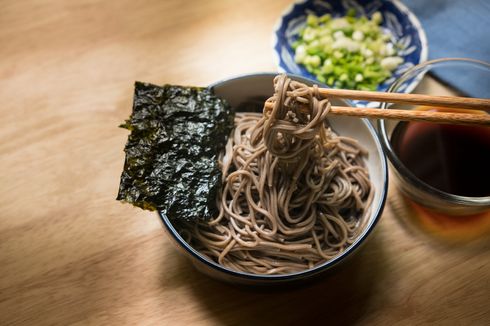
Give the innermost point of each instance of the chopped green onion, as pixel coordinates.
(347, 52)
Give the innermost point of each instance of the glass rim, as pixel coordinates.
(418, 72)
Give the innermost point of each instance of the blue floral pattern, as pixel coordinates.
(398, 22)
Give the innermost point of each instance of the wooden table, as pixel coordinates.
(71, 254)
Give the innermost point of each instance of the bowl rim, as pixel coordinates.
(397, 163)
(424, 53)
(377, 211)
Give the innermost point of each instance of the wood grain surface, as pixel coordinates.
(70, 254)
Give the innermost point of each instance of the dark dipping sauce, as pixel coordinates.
(451, 158)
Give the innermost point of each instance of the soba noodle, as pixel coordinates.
(294, 193)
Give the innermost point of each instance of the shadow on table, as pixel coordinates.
(341, 297)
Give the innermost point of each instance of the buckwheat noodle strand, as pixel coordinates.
(294, 193)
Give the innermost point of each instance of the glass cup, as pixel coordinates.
(428, 194)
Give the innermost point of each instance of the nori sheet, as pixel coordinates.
(172, 151)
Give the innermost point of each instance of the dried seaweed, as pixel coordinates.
(172, 151)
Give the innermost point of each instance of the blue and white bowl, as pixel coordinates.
(398, 21)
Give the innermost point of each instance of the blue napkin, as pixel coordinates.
(457, 28)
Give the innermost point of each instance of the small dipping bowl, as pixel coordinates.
(248, 93)
(424, 194)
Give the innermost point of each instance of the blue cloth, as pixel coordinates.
(457, 28)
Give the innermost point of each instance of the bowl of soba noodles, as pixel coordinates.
(301, 189)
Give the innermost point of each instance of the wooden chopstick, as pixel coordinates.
(411, 115)
(414, 115)
(418, 99)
